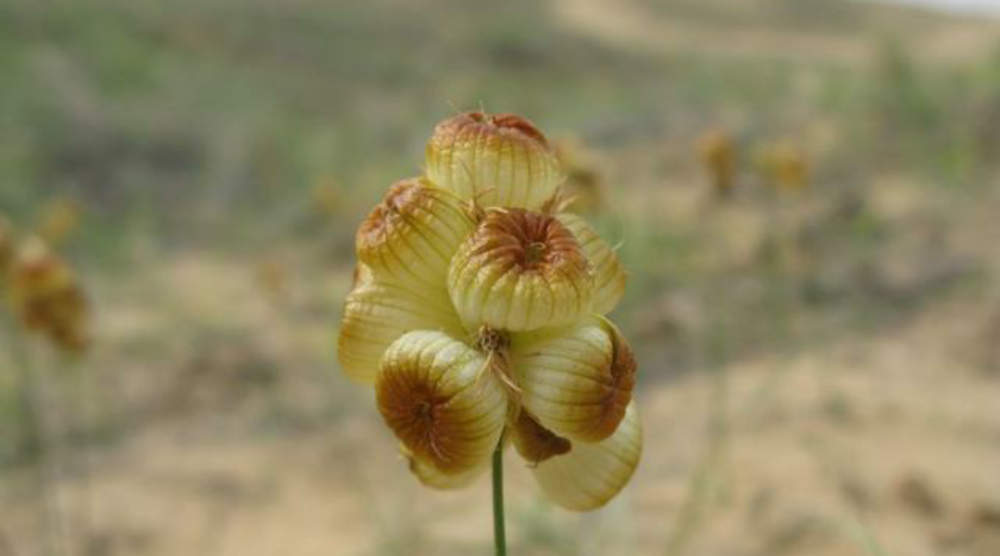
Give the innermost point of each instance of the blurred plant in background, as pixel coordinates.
(718, 156)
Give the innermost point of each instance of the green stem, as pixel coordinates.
(499, 534)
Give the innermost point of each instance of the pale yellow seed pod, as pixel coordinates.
(432, 477)
(441, 400)
(377, 313)
(576, 381)
(412, 234)
(520, 270)
(590, 475)
(496, 160)
(610, 278)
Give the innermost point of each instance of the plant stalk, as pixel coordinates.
(499, 530)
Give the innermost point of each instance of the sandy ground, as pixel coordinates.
(879, 444)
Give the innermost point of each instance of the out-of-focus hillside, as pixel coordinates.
(817, 344)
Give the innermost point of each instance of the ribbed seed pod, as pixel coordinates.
(590, 475)
(577, 381)
(412, 234)
(610, 278)
(497, 160)
(429, 476)
(441, 400)
(377, 313)
(520, 270)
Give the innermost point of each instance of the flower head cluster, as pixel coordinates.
(43, 291)
(477, 314)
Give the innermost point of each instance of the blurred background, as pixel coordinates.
(807, 195)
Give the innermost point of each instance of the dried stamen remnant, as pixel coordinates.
(519, 271)
(496, 160)
(534, 442)
(490, 340)
(412, 234)
(434, 393)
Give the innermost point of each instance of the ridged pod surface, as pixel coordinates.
(610, 278)
(498, 160)
(577, 381)
(413, 233)
(440, 399)
(520, 270)
(377, 313)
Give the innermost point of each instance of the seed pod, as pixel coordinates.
(610, 278)
(496, 160)
(377, 313)
(429, 476)
(578, 381)
(440, 399)
(590, 475)
(412, 234)
(520, 270)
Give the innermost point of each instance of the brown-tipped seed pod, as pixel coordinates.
(576, 382)
(494, 160)
(610, 278)
(520, 270)
(441, 400)
(377, 313)
(590, 475)
(412, 234)
(45, 295)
